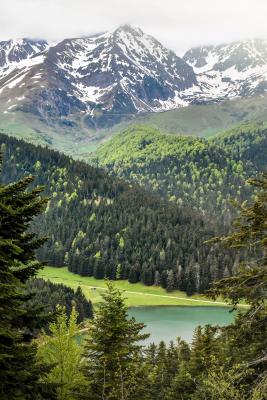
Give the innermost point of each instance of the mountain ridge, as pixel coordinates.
(232, 69)
(106, 78)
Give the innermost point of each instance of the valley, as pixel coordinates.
(153, 228)
(133, 209)
(166, 315)
(101, 226)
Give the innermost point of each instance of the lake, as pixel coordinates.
(166, 323)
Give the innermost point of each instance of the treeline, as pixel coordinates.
(202, 174)
(100, 226)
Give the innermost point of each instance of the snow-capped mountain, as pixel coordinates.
(124, 71)
(103, 79)
(230, 70)
(15, 53)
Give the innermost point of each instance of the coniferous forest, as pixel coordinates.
(111, 362)
(100, 226)
(62, 212)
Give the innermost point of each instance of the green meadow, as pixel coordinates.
(136, 294)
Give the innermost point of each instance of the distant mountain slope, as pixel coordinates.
(190, 171)
(87, 84)
(247, 143)
(101, 226)
(19, 55)
(79, 141)
(207, 119)
(230, 70)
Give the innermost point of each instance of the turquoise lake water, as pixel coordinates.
(167, 323)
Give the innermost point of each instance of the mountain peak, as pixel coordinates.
(113, 75)
(239, 53)
(14, 51)
(231, 69)
(134, 30)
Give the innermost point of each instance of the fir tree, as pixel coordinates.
(19, 369)
(247, 337)
(113, 351)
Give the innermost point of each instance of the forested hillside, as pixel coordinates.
(50, 295)
(205, 175)
(222, 363)
(247, 144)
(100, 226)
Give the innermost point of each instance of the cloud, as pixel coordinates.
(179, 24)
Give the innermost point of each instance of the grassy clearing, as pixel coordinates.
(136, 294)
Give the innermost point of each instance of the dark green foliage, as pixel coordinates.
(231, 362)
(19, 370)
(226, 363)
(249, 334)
(98, 225)
(113, 352)
(50, 295)
(249, 231)
(103, 227)
(163, 363)
(246, 144)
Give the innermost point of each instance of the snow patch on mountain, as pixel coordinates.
(111, 76)
(231, 70)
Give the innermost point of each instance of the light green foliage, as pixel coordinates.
(121, 242)
(185, 169)
(260, 390)
(221, 384)
(118, 272)
(62, 350)
(92, 217)
(37, 166)
(72, 196)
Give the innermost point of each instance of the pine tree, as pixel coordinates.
(250, 284)
(83, 306)
(113, 352)
(19, 369)
(170, 280)
(247, 338)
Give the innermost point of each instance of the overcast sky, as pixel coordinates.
(179, 24)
